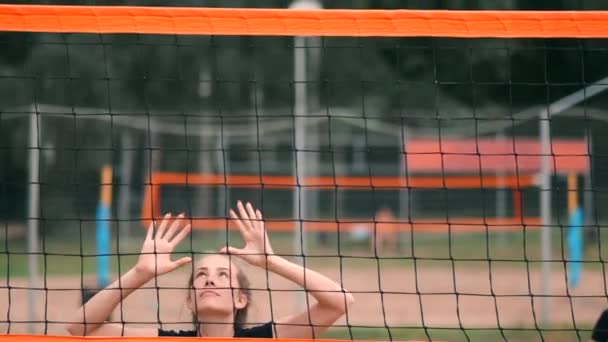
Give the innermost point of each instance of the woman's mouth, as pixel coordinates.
(210, 293)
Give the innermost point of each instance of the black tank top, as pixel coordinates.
(260, 331)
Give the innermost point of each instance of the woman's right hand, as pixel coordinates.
(155, 257)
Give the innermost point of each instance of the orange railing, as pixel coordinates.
(151, 208)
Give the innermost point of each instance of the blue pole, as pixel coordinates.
(575, 247)
(103, 245)
(103, 227)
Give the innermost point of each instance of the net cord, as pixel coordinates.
(288, 22)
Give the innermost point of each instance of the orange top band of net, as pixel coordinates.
(286, 22)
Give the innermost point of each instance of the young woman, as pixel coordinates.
(385, 234)
(218, 295)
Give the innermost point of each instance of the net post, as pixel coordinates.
(127, 156)
(300, 110)
(501, 195)
(103, 227)
(222, 159)
(33, 216)
(591, 232)
(545, 207)
(404, 192)
(204, 200)
(574, 233)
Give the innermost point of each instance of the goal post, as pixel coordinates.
(152, 200)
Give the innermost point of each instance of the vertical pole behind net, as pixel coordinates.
(404, 192)
(222, 159)
(590, 225)
(300, 109)
(555, 108)
(545, 207)
(103, 234)
(501, 195)
(33, 216)
(127, 155)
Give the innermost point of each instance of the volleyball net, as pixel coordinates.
(443, 166)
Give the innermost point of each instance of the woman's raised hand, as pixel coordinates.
(251, 224)
(155, 257)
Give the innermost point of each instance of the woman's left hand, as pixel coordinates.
(257, 245)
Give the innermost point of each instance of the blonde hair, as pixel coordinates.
(240, 316)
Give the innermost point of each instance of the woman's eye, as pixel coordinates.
(223, 274)
(201, 275)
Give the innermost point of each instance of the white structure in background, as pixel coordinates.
(545, 114)
(300, 111)
(33, 216)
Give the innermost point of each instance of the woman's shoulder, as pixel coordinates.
(183, 333)
(261, 331)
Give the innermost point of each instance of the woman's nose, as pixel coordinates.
(209, 282)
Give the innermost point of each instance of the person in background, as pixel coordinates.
(385, 232)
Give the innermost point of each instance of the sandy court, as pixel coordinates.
(390, 296)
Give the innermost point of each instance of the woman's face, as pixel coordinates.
(215, 287)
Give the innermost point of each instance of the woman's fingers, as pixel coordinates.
(181, 262)
(251, 213)
(174, 227)
(260, 221)
(232, 250)
(150, 232)
(250, 218)
(244, 215)
(163, 226)
(239, 223)
(181, 235)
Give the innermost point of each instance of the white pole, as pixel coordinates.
(124, 197)
(222, 196)
(404, 194)
(590, 225)
(501, 194)
(545, 207)
(300, 110)
(203, 200)
(33, 218)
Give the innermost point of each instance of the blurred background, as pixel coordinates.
(225, 105)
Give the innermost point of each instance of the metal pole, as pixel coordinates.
(103, 234)
(501, 195)
(300, 110)
(545, 207)
(203, 200)
(33, 218)
(222, 196)
(124, 195)
(404, 195)
(313, 103)
(592, 233)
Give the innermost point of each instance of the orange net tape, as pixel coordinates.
(286, 22)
